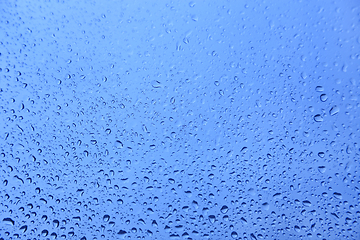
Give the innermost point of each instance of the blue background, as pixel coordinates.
(179, 119)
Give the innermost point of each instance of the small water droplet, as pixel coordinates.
(119, 144)
(323, 97)
(321, 169)
(23, 228)
(56, 223)
(307, 203)
(318, 118)
(266, 206)
(319, 89)
(224, 209)
(44, 233)
(212, 218)
(106, 218)
(337, 195)
(244, 150)
(304, 75)
(156, 84)
(194, 18)
(334, 110)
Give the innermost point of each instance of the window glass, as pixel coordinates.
(179, 119)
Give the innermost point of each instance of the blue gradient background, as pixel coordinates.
(179, 119)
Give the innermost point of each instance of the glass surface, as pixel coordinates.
(179, 119)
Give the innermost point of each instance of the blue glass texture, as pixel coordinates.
(180, 119)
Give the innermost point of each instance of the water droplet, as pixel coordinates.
(252, 237)
(318, 118)
(307, 203)
(195, 18)
(304, 75)
(212, 218)
(106, 218)
(277, 195)
(23, 228)
(266, 206)
(335, 216)
(224, 209)
(321, 169)
(244, 150)
(234, 235)
(86, 153)
(334, 110)
(243, 220)
(337, 195)
(323, 97)
(119, 144)
(9, 221)
(252, 191)
(156, 84)
(56, 223)
(319, 89)
(44, 233)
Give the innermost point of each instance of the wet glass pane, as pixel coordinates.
(179, 119)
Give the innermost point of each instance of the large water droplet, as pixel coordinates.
(9, 221)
